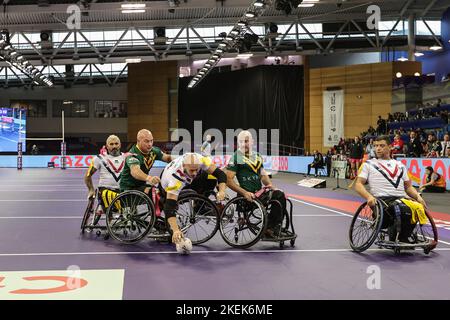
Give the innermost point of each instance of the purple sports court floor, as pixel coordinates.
(40, 234)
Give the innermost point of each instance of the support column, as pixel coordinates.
(411, 37)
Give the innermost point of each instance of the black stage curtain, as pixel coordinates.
(262, 97)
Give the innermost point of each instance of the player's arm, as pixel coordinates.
(88, 179)
(235, 187)
(359, 188)
(166, 157)
(412, 192)
(221, 180)
(170, 208)
(265, 179)
(138, 174)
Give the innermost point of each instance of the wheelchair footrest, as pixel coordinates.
(404, 245)
(286, 237)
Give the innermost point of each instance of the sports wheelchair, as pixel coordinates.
(243, 223)
(93, 213)
(376, 224)
(133, 215)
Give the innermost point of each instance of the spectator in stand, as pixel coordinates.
(439, 102)
(390, 118)
(356, 155)
(445, 146)
(414, 146)
(381, 126)
(397, 146)
(370, 149)
(433, 147)
(444, 115)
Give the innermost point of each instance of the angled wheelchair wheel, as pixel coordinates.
(87, 214)
(426, 234)
(242, 223)
(197, 217)
(130, 216)
(365, 226)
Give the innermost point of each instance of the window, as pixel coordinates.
(72, 108)
(35, 108)
(110, 109)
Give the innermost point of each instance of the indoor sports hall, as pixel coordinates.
(236, 150)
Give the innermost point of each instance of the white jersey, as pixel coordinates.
(174, 178)
(385, 177)
(110, 168)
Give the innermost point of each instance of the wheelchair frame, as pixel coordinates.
(149, 232)
(91, 209)
(287, 222)
(378, 235)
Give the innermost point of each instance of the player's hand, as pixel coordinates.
(371, 201)
(153, 180)
(249, 196)
(177, 236)
(91, 194)
(220, 196)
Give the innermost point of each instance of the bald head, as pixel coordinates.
(245, 141)
(191, 164)
(145, 140)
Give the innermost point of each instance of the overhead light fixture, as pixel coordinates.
(134, 11)
(244, 55)
(402, 59)
(133, 5)
(235, 38)
(398, 74)
(259, 3)
(418, 54)
(133, 60)
(234, 32)
(306, 5)
(435, 48)
(417, 74)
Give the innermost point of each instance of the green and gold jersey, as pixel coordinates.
(248, 170)
(145, 162)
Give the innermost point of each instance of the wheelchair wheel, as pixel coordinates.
(365, 226)
(242, 223)
(87, 213)
(197, 217)
(130, 216)
(426, 234)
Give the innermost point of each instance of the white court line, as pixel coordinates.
(193, 252)
(323, 208)
(341, 213)
(49, 217)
